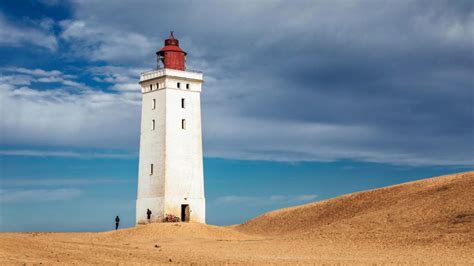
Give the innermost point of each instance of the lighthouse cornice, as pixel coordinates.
(189, 91)
(168, 72)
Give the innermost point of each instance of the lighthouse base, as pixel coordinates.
(187, 209)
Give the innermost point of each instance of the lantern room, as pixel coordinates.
(171, 56)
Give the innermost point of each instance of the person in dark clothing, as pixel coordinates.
(148, 214)
(117, 221)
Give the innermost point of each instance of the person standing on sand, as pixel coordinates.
(148, 214)
(117, 221)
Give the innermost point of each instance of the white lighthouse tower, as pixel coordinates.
(170, 175)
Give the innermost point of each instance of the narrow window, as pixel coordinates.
(187, 86)
(153, 124)
(183, 123)
(157, 85)
(179, 85)
(151, 169)
(153, 104)
(182, 103)
(151, 87)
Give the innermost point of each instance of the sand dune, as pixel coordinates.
(428, 221)
(435, 210)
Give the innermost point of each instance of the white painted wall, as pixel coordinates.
(176, 153)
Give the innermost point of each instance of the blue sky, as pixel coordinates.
(302, 101)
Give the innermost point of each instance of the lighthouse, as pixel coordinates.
(170, 172)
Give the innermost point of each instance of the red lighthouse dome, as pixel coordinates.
(171, 55)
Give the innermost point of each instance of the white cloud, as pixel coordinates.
(263, 200)
(35, 72)
(24, 76)
(125, 87)
(48, 182)
(59, 117)
(12, 35)
(12, 80)
(122, 79)
(109, 44)
(66, 154)
(38, 195)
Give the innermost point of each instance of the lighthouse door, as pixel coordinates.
(185, 215)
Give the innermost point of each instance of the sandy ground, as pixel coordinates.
(428, 221)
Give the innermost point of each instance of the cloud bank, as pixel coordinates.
(373, 81)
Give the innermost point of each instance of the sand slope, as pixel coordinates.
(434, 211)
(426, 221)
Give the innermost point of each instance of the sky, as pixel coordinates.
(302, 101)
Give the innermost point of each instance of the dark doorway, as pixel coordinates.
(185, 213)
